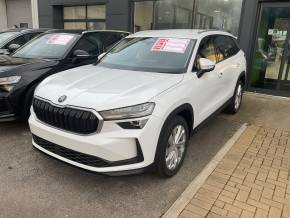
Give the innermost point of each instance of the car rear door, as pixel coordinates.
(228, 63)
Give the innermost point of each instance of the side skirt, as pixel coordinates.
(218, 111)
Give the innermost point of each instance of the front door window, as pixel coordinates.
(270, 69)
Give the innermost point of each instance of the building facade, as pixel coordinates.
(16, 13)
(262, 27)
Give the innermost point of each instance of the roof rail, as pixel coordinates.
(209, 30)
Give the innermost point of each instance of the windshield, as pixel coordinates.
(5, 36)
(162, 55)
(48, 46)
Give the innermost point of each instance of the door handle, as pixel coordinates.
(237, 65)
(220, 75)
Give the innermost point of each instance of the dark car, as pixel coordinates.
(10, 40)
(50, 53)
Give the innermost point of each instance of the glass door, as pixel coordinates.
(284, 76)
(270, 71)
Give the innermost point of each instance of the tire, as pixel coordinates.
(169, 157)
(236, 101)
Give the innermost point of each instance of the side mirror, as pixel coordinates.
(205, 66)
(80, 55)
(101, 56)
(13, 47)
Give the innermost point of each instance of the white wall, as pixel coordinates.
(3, 17)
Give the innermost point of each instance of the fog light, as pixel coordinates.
(136, 124)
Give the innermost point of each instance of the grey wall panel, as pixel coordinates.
(118, 12)
(118, 15)
(248, 27)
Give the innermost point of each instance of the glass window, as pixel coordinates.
(92, 17)
(20, 40)
(271, 66)
(219, 14)
(6, 36)
(225, 47)
(150, 54)
(143, 16)
(96, 25)
(78, 12)
(75, 25)
(97, 12)
(110, 39)
(178, 14)
(49, 46)
(205, 50)
(90, 43)
(30, 36)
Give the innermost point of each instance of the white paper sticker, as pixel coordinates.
(59, 39)
(171, 45)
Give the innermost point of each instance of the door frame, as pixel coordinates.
(261, 6)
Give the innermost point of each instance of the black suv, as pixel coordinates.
(13, 39)
(50, 53)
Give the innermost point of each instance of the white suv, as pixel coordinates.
(136, 108)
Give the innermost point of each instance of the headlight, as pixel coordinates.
(141, 110)
(8, 83)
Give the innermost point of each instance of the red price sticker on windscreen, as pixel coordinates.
(59, 39)
(171, 45)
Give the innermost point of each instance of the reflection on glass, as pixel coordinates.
(96, 12)
(78, 12)
(285, 79)
(188, 14)
(74, 25)
(143, 16)
(219, 14)
(268, 63)
(96, 25)
(91, 17)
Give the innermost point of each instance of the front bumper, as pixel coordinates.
(6, 111)
(111, 150)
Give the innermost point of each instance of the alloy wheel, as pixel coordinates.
(176, 147)
(238, 98)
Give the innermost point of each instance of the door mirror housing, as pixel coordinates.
(80, 55)
(13, 47)
(205, 66)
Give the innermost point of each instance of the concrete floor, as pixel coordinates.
(267, 111)
(34, 185)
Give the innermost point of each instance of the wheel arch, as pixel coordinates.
(186, 111)
(243, 78)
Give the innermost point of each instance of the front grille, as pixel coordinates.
(69, 154)
(69, 119)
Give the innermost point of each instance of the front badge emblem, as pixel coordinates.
(62, 98)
